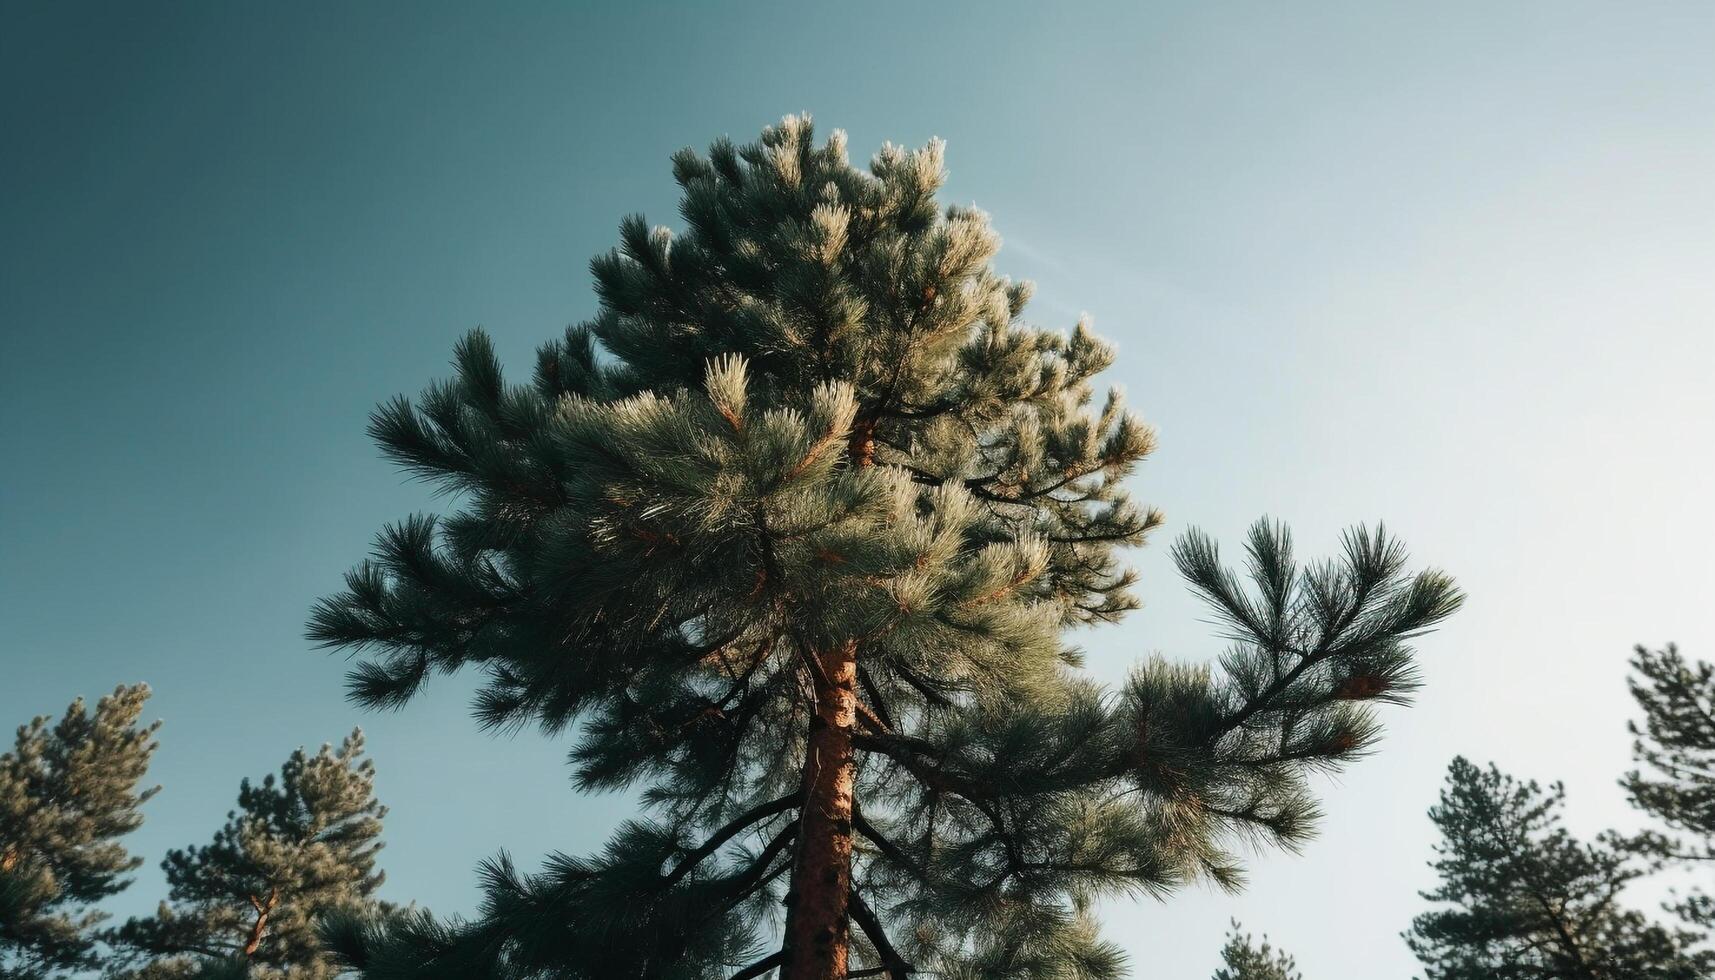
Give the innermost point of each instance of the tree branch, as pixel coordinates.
(889, 849)
(922, 687)
(896, 967)
(874, 694)
(759, 876)
(900, 749)
(761, 966)
(728, 832)
(262, 910)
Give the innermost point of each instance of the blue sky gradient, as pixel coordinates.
(1445, 265)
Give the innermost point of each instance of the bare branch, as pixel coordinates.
(894, 964)
(761, 966)
(889, 849)
(729, 831)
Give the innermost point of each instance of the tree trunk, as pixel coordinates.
(817, 925)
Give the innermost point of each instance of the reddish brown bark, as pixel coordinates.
(262, 910)
(860, 448)
(817, 923)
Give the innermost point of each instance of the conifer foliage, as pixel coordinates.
(1527, 901)
(1244, 958)
(1675, 748)
(68, 792)
(791, 531)
(297, 848)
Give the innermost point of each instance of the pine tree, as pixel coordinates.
(1245, 959)
(297, 848)
(68, 793)
(1676, 748)
(199, 968)
(1530, 902)
(792, 531)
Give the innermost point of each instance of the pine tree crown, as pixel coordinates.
(1520, 897)
(1244, 958)
(817, 419)
(299, 847)
(1674, 784)
(69, 791)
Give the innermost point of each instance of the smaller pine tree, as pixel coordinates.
(1674, 748)
(297, 848)
(1245, 959)
(200, 968)
(67, 794)
(1524, 900)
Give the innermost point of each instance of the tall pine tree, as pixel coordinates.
(1675, 750)
(297, 848)
(1527, 901)
(1243, 958)
(68, 793)
(792, 530)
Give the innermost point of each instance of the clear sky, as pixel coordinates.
(1450, 265)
